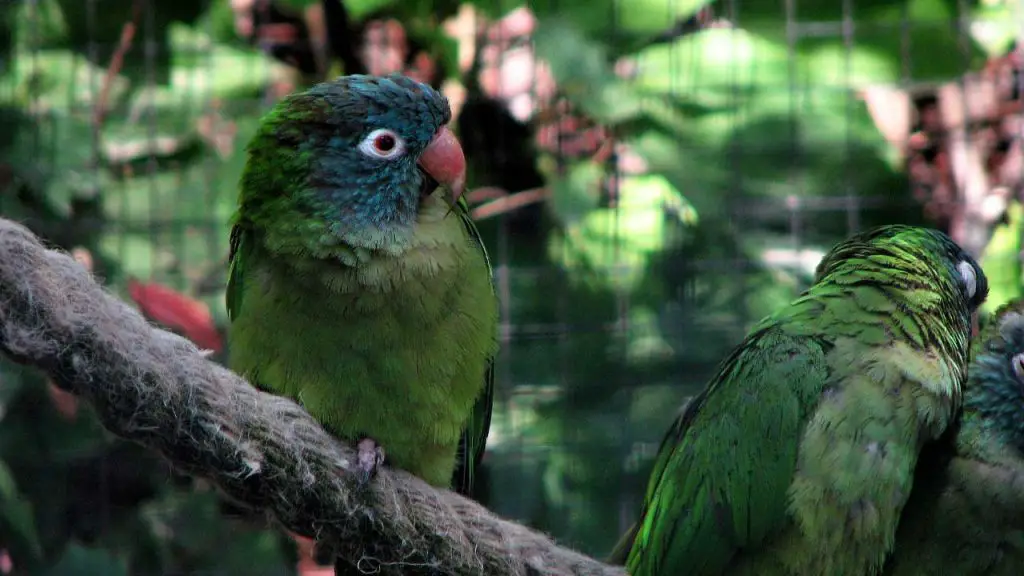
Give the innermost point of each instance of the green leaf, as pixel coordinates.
(578, 192)
(618, 242)
(53, 155)
(628, 20)
(713, 67)
(298, 4)
(694, 167)
(995, 26)
(201, 66)
(39, 24)
(78, 560)
(11, 382)
(17, 524)
(404, 10)
(1002, 260)
(733, 103)
(912, 33)
(721, 67)
(357, 9)
(584, 73)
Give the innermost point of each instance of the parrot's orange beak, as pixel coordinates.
(444, 161)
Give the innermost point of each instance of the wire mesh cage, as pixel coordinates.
(650, 178)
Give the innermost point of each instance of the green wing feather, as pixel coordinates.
(237, 256)
(742, 498)
(474, 436)
(620, 552)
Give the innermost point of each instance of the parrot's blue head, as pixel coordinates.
(995, 392)
(354, 156)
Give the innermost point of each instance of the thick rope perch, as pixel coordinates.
(155, 388)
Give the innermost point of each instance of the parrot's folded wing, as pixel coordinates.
(474, 436)
(721, 476)
(237, 257)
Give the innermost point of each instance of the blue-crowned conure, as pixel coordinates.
(359, 285)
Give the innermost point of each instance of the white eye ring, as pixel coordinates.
(969, 276)
(376, 143)
(1018, 365)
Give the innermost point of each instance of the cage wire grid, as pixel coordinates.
(567, 392)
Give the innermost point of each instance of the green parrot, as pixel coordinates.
(358, 286)
(798, 456)
(965, 515)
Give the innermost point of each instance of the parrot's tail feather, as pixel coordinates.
(620, 553)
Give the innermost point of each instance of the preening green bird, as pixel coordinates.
(360, 287)
(965, 515)
(798, 456)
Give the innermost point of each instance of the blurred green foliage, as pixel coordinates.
(759, 154)
(1002, 260)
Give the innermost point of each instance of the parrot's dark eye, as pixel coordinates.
(1018, 366)
(382, 143)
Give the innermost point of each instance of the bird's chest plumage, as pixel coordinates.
(858, 451)
(394, 349)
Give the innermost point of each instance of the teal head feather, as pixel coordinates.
(345, 164)
(995, 394)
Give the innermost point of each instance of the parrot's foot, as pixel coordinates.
(371, 455)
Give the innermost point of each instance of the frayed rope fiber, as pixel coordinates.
(156, 388)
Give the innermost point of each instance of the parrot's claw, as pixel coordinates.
(371, 455)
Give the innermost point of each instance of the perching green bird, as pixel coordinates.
(358, 286)
(965, 515)
(799, 455)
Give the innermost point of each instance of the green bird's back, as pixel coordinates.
(357, 287)
(798, 456)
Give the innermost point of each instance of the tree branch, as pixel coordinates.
(124, 44)
(154, 388)
(507, 202)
